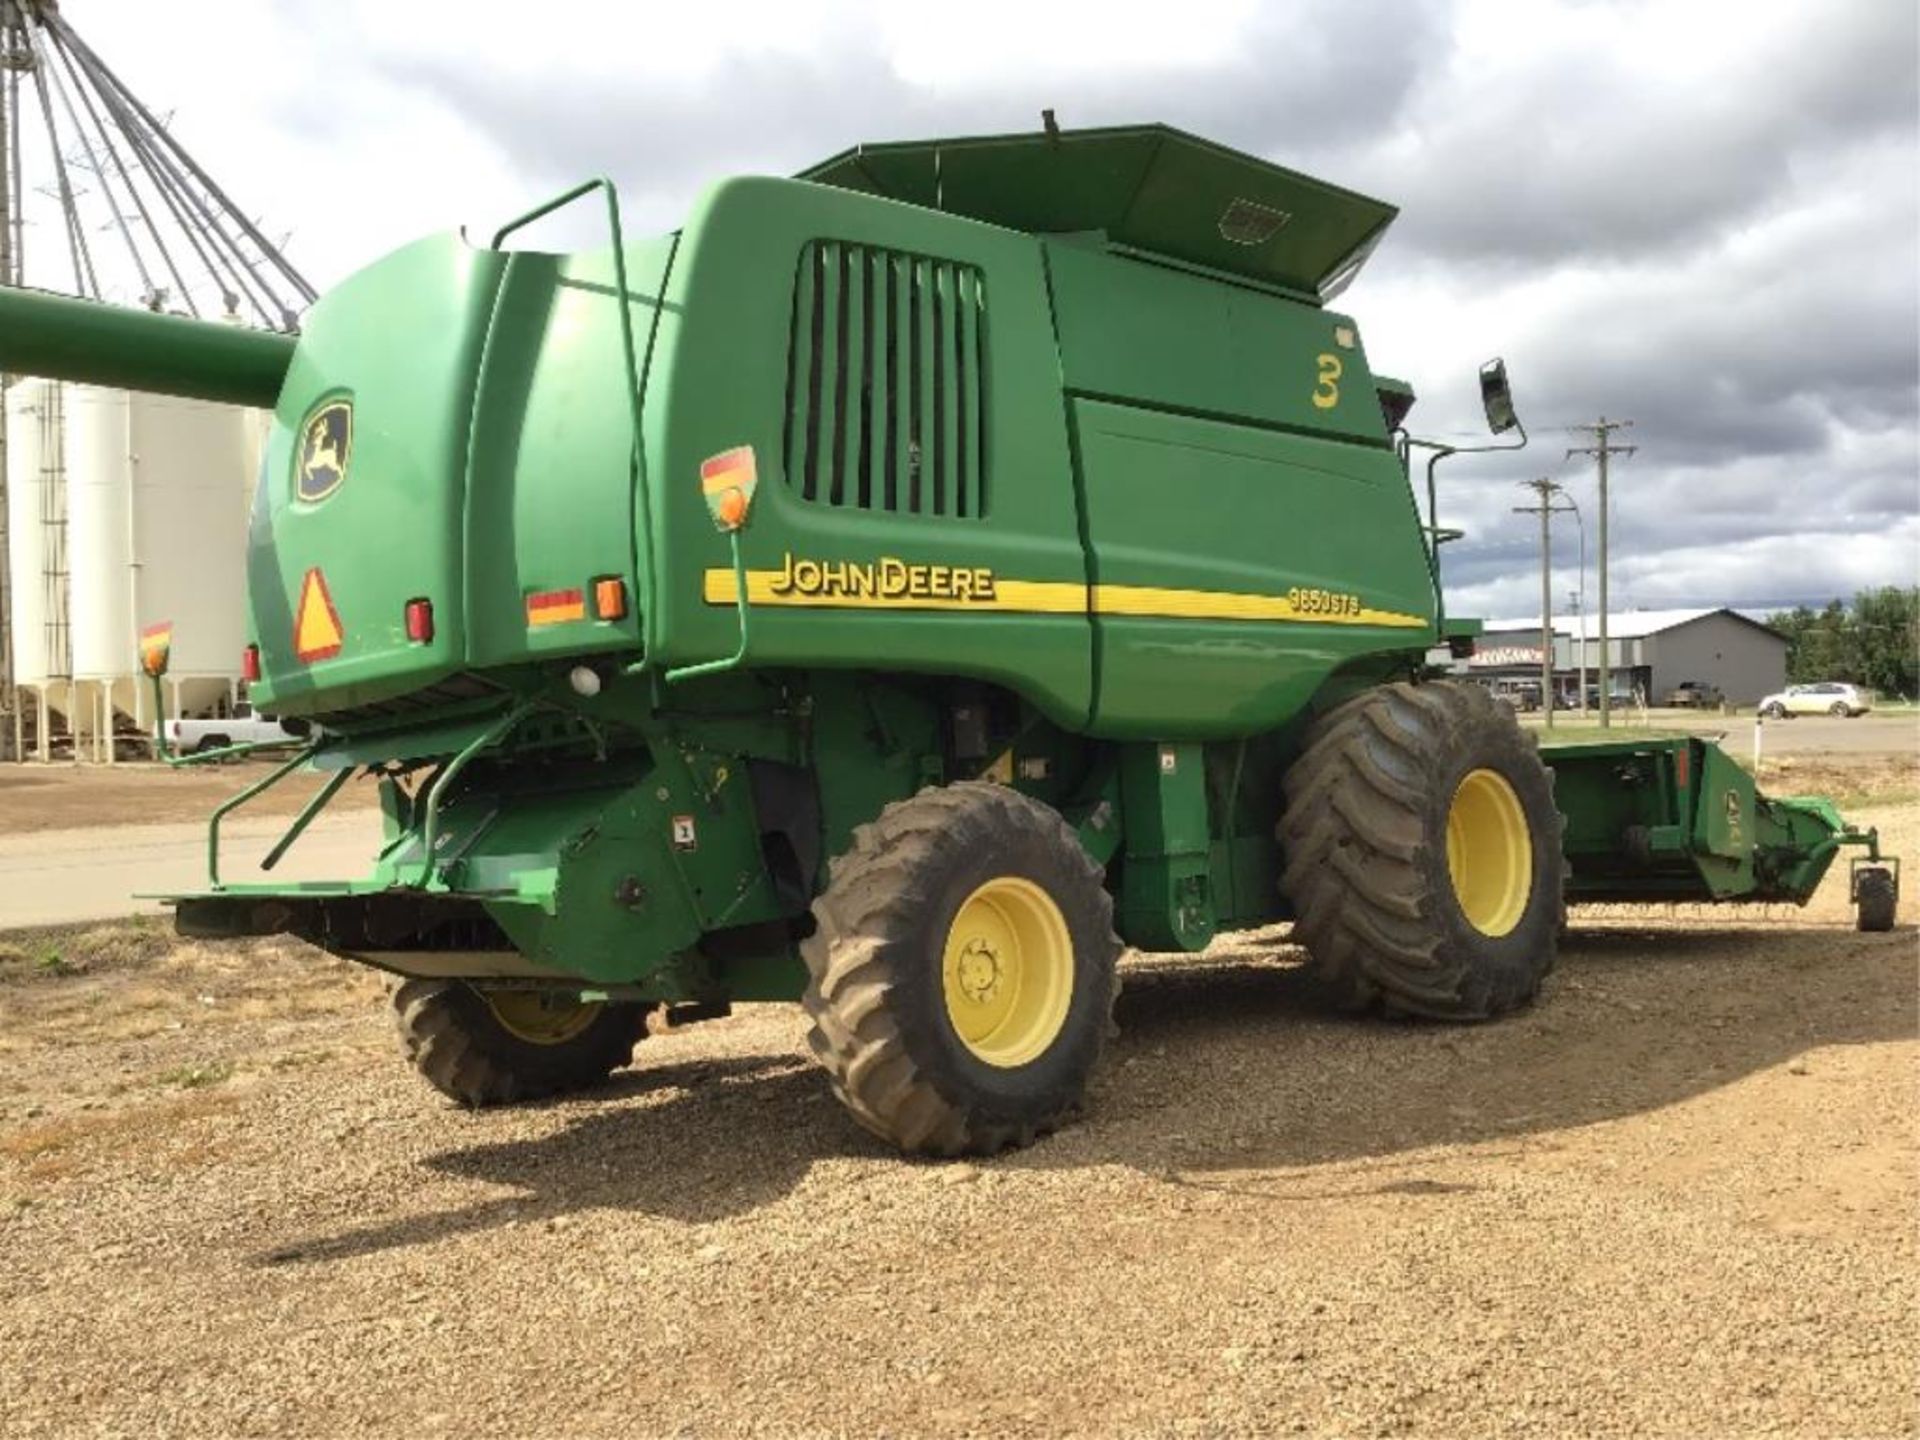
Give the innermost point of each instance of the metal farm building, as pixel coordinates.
(1650, 652)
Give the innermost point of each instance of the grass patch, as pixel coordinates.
(196, 1077)
(57, 952)
(145, 1122)
(299, 1059)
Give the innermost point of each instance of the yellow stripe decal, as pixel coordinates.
(1151, 600)
(1050, 597)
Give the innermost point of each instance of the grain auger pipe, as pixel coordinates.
(60, 338)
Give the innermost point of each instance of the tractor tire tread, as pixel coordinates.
(1355, 840)
(867, 909)
(1877, 898)
(447, 1034)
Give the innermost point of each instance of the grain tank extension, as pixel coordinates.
(896, 589)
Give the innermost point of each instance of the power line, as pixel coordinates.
(1602, 448)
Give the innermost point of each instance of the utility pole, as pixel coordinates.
(1601, 449)
(1577, 602)
(12, 63)
(1546, 510)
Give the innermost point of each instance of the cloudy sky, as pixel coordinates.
(1704, 217)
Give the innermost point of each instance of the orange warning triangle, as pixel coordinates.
(316, 624)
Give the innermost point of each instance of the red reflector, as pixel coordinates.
(609, 599)
(420, 621)
(555, 607)
(250, 664)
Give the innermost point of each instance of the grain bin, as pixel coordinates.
(37, 568)
(156, 508)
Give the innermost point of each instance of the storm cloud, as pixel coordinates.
(1700, 216)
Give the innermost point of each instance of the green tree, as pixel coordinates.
(1873, 642)
(1887, 630)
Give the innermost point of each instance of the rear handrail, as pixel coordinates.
(649, 611)
(436, 792)
(234, 803)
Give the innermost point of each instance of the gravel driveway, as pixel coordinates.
(1677, 1198)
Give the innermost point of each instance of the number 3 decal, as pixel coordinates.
(1326, 390)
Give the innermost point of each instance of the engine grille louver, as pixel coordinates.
(886, 391)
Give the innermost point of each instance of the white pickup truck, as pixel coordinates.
(243, 727)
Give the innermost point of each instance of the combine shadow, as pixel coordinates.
(1229, 1064)
(696, 1142)
(1245, 1067)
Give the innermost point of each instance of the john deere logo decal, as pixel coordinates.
(324, 442)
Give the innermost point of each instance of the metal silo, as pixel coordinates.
(156, 532)
(37, 565)
(33, 471)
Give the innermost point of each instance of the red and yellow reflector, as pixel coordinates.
(156, 647)
(316, 624)
(555, 607)
(727, 481)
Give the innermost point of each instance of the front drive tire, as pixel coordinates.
(963, 972)
(493, 1048)
(1423, 855)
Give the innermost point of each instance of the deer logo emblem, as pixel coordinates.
(324, 442)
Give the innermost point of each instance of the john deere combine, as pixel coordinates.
(895, 590)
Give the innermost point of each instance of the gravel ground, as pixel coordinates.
(1880, 732)
(1677, 1198)
(38, 798)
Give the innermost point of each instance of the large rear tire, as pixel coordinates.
(963, 971)
(1423, 856)
(493, 1048)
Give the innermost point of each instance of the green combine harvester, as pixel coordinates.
(897, 589)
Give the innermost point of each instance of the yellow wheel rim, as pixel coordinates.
(541, 1020)
(1489, 853)
(1007, 972)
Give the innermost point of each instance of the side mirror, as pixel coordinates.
(1496, 397)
